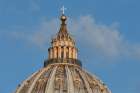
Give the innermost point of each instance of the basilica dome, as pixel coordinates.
(62, 71)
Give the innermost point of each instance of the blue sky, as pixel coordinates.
(106, 31)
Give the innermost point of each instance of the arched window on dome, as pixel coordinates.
(57, 54)
(62, 52)
(67, 52)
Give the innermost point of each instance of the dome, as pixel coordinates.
(62, 78)
(62, 71)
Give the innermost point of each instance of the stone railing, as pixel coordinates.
(58, 60)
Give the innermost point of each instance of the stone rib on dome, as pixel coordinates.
(62, 78)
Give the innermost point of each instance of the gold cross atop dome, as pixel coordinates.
(63, 10)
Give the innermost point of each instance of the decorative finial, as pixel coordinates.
(63, 10)
(63, 17)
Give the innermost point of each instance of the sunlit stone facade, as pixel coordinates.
(62, 71)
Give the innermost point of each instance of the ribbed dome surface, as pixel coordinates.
(62, 78)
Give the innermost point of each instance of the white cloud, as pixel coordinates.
(40, 35)
(106, 40)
